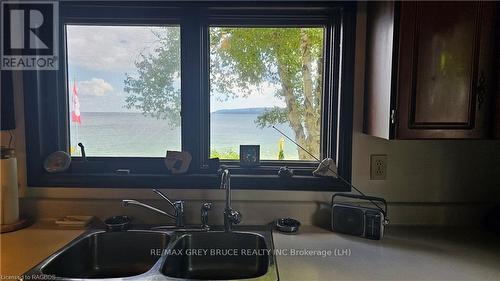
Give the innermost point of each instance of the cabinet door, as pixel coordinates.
(445, 55)
(381, 64)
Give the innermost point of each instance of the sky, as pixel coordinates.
(100, 56)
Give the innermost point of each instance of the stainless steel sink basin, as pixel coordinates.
(217, 256)
(163, 254)
(101, 254)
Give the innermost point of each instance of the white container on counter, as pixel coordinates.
(9, 209)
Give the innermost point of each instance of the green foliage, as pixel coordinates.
(155, 91)
(275, 115)
(245, 58)
(227, 154)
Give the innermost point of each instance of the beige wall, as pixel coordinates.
(428, 182)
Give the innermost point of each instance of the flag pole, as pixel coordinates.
(76, 123)
(74, 108)
(77, 134)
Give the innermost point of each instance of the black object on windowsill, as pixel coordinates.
(84, 166)
(285, 172)
(82, 149)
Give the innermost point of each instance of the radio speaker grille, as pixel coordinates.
(348, 220)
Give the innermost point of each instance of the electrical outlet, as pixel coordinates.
(378, 167)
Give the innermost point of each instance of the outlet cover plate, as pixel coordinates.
(378, 167)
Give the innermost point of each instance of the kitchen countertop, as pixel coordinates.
(405, 253)
(25, 248)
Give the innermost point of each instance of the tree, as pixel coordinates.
(242, 60)
(153, 90)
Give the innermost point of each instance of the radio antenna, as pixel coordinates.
(331, 170)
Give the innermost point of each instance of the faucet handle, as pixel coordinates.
(204, 214)
(206, 206)
(177, 205)
(179, 213)
(163, 196)
(234, 216)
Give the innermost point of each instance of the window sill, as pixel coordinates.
(190, 181)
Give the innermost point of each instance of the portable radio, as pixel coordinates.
(346, 217)
(357, 220)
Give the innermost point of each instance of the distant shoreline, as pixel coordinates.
(252, 110)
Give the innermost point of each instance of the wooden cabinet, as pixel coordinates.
(429, 70)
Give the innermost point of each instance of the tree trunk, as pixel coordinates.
(318, 88)
(311, 118)
(293, 110)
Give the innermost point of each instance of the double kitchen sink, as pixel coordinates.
(178, 253)
(163, 254)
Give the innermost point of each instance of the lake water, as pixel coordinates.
(132, 134)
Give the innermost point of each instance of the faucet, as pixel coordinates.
(204, 215)
(230, 216)
(178, 206)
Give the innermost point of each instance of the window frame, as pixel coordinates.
(46, 98)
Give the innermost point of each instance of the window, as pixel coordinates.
(139, 78)
(260, 77)
(116, 108)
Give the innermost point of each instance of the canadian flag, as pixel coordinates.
(75, 106)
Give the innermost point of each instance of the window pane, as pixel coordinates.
(261, 77)
(124, 89)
